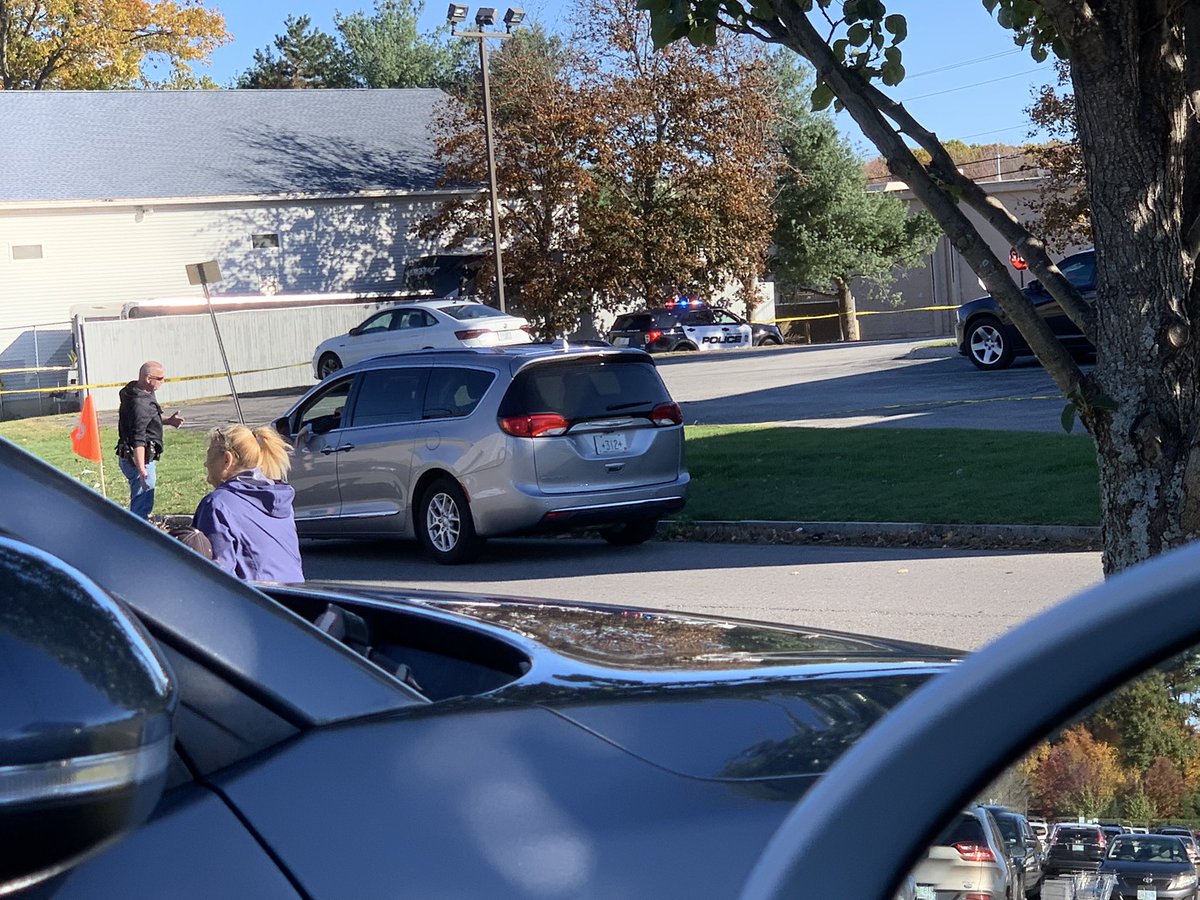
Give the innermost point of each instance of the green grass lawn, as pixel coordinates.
(751, 472)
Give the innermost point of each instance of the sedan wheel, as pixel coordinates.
(445, 526)
(327, 365)
(988, 346)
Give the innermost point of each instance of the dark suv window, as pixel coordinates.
(389, 396)
(1077, 836)
(585, 391)
(455, 392)
(965, 829)
(634, 322)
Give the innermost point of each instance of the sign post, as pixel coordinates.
(204, 274)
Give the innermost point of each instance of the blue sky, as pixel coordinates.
(966, 78)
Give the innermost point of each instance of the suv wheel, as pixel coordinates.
(327, 365)
(988, 346)
(627, 534)
(445, 526)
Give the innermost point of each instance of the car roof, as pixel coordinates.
(511, 358)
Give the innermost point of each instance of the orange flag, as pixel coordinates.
(85, 437)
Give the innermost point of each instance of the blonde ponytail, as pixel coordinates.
(274, 459)
(261, 449)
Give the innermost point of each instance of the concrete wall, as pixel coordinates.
(279, 341)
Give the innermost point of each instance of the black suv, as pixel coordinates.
(989, 340)
(690, 326)
(1075, 848)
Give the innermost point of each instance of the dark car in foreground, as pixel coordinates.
(987, 337)
(691, 326)
(336, 741)
(1153, 866)
(454, 446)
(1075, 848)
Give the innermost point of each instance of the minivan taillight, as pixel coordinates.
(667, 414)
(972, 852)
(537, 425)
(472, 333)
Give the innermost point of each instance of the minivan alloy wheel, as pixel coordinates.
(444, 524)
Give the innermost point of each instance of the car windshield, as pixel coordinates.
(1147, 850)
(466, 311)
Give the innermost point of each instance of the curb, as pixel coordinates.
(1066, 538)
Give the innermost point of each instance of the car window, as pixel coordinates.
(585, 390)
(377, 324)
(404, 319)
(1009, 828)
(1069, 835)
(323, 411)
(695, 317)
(724, 317)
(965, 829)
(1080, 270)
(455, 392)
(389, 396)
(634, 322)
(466, 311)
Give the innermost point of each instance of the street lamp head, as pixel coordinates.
(513, 17)
(456, 14)
(485, 16)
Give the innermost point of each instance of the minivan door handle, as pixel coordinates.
(325, 451)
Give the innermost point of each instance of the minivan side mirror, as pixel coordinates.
(85, 740)
(284, 426)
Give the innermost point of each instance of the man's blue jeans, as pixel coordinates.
(141, 496)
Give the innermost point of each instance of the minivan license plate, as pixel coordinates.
(607, 444)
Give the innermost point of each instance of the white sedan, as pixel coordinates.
(421, 326)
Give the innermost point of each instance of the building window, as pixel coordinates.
(265, 241)
(26, 251)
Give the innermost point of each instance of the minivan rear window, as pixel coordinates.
(585, 389)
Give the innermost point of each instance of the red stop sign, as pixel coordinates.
(1018, 261)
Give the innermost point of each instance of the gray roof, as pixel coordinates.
(112, 145)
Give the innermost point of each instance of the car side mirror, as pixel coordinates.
(354, 332)
(284, 426)
(85, 740)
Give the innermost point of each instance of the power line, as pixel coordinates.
(966, 62)
(1024, 124)
(966, 86)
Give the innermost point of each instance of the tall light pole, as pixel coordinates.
(485, 16)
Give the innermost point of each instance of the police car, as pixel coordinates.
(690, 325)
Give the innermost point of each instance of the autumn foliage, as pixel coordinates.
(98, 44)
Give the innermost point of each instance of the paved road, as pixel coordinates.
(903, 384)
(955, 599)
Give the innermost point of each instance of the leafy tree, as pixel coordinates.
(1063, 203)
(1164, 786)
(1135, 71)
(1137, 806)
(1079, 775)
(303, 56)
(830, 230)
(542, 130)
(685, 169)
(1146, 722)
(386, 49)
(68, 45)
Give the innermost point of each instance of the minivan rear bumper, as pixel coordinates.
(522, 510)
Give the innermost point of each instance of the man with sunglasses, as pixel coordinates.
(140, 436)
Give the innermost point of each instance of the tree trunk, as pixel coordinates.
(1148, 357)
(847, 310)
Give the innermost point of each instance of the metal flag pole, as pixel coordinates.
(202, 274)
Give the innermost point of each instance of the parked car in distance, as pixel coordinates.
(1075, 848)
(968, 859)
(1023, 847)
(420, 326)
(690, 325)
(1111, 831)
(987, 337)
(1154, 866)
(455, 446)
(1041, 829)
(1184, 834)
(330, 741)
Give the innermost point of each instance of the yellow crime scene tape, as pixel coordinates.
(67, 388)
(867, 312)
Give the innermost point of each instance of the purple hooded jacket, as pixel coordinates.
(249, 521)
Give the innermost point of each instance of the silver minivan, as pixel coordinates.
(455, 446)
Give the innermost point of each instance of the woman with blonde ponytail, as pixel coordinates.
(248, 516)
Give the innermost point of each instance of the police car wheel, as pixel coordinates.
(627, 534)
(768, 341)
(686, 346)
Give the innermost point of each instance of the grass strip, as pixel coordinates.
(754, 472)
